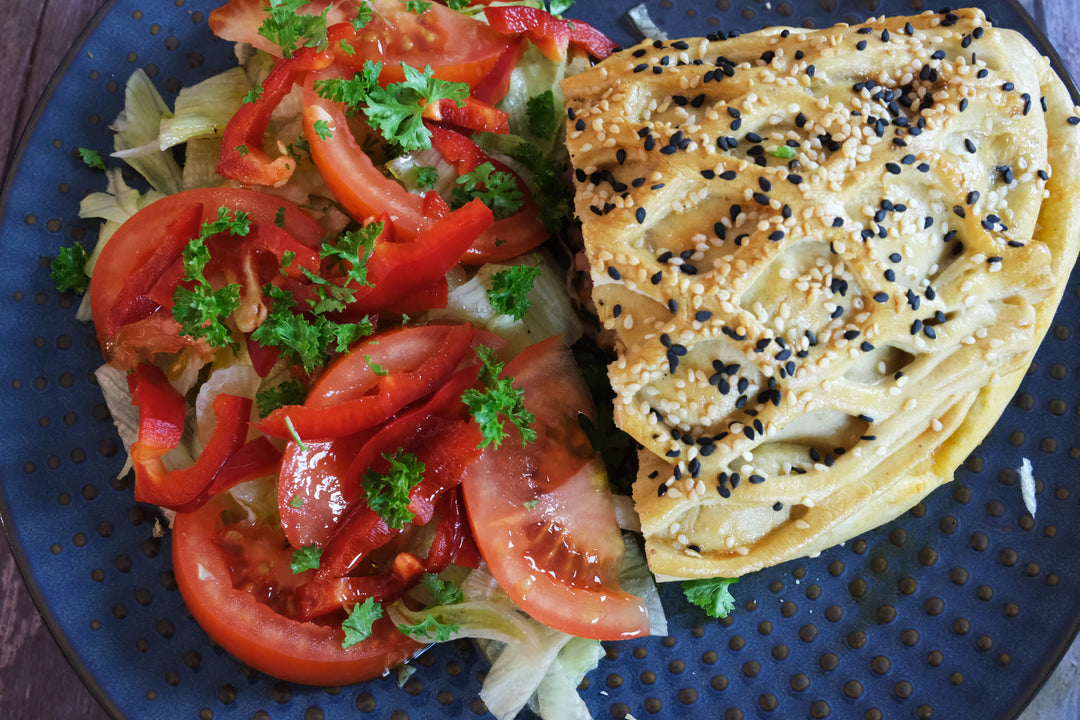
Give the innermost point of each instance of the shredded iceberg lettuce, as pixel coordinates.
(203, 110)
(137, 130)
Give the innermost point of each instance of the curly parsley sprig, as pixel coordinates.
(499, 399)
(200, 309)
(397, 109)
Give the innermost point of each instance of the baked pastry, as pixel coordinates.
(827, 258)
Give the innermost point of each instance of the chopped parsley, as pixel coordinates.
(550, 193)
(364, 13)
(426, 177)
(558, 7)
(357, 626)
(496, 188)
(68, 269)
(92, 158)
(388, 495)
(397, 109)
(304, 558)
(417, 6)
(376, 368)
(304, 340)
(509, 293)
(199, 309)
(784, 151)
(290, 392)
(322, 129)
(441, 591)
(541, 116)
(254, 94)
(457, 4)
(286, 27)
(499, 398)
(713, 595)
(430, 629)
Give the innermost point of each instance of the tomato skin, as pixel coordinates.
(550, 501)
(255, 633)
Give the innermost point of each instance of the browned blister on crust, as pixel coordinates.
(827, 257)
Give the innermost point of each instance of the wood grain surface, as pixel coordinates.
(35, 679)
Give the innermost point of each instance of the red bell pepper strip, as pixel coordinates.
(161, 410)
(473, 114)
(496, 83)
(436, 434)
(505, 238)
(453, 542)
(257, 458)
(395, 270)
(551, 35)
(392, 392)
(243, 158)
(321, 597)
(160, 429)
(138, 298)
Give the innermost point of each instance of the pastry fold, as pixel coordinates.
(826, 258)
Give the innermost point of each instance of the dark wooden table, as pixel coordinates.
(35, 679)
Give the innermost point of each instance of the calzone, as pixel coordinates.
(825, 259)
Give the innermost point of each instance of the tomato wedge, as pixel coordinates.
(235, 578)
(136, 243)
(550, 502)
(458, 47)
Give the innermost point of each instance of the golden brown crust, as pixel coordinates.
(827, 257)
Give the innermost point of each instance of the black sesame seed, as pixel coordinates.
(969, 145)
(702, 315)
(673, 307)
(656, 277)
(881, 297)
(614, 273)
(973, 197)
(916, 326)
(728, 175)
(761, 198)
(892, 168)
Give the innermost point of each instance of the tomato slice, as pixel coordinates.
(457, 47)
(550, 502)
(363, 191)
(136, 243)
(235, 579)
(313, 492)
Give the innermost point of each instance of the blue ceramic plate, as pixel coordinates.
(959, 609)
